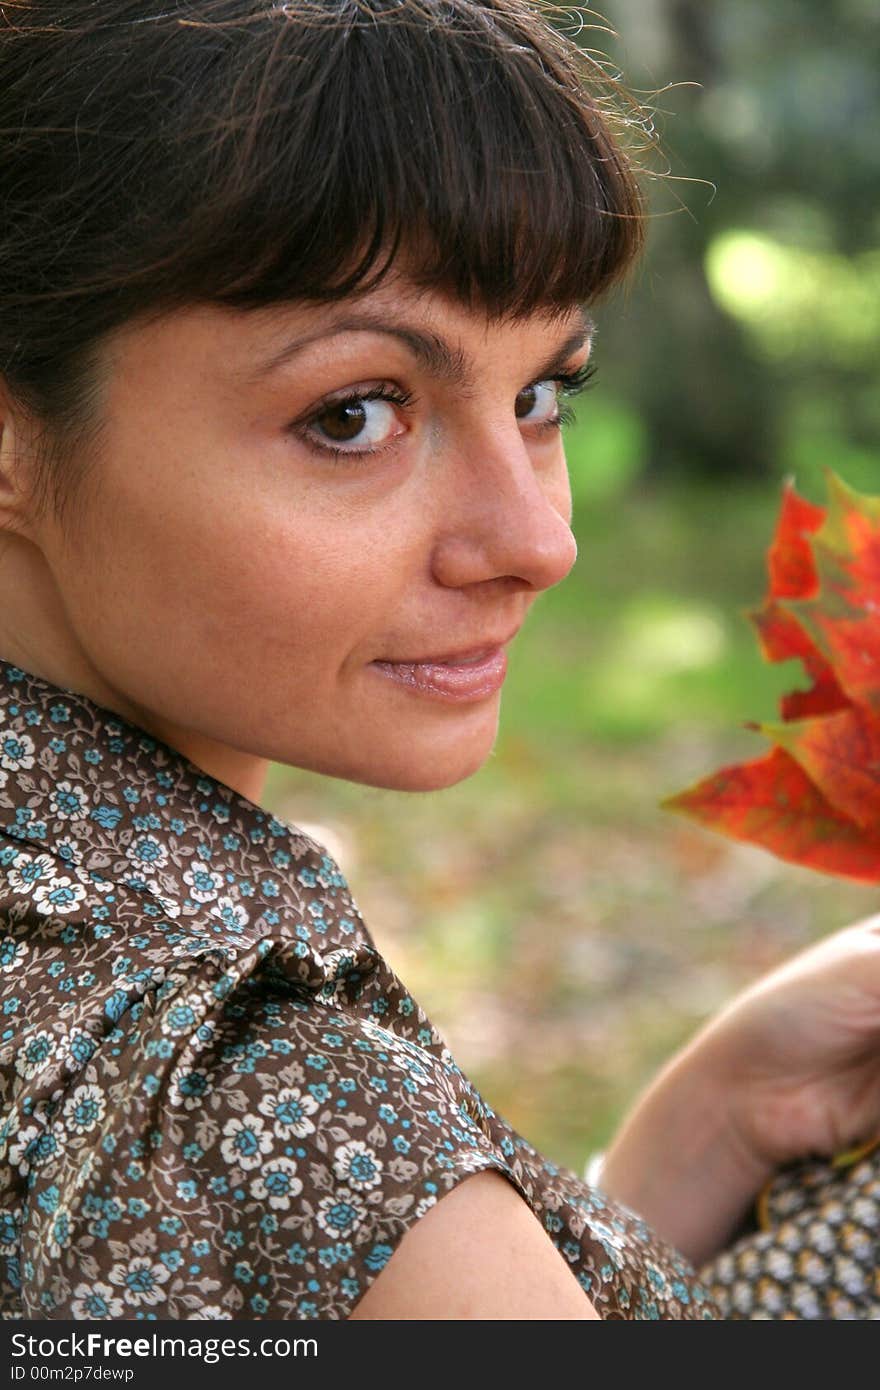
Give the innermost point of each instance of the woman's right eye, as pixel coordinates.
(362, 423)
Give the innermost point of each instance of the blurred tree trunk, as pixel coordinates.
(705, 401)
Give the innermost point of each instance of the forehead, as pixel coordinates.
(248, 346)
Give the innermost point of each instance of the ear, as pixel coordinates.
(16, 453)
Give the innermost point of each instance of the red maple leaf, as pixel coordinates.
(815, 798)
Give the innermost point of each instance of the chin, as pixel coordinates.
(434, 765)
(435, 780)
(410, 768)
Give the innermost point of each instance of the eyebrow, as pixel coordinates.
(447, 363)
(557, 361)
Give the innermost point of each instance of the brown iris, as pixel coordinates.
(525, 401)
(343, 421)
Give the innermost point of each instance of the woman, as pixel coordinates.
(289, 297)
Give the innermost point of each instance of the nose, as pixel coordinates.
(505, 517)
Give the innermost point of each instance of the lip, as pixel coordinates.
(472, 673)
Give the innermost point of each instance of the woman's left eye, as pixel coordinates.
(539, 403)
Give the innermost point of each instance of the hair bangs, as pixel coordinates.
(462, 151)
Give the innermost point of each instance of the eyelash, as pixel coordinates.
(569, 383)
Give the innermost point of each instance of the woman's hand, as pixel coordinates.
(802, 1049)
(790, 1068)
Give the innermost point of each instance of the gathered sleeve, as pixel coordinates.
(256, 1155)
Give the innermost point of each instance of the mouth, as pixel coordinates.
(471, 674)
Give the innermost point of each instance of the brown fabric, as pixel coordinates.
(218, 1099)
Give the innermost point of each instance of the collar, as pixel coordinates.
(95, 811)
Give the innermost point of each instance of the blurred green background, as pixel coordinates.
(562, 931)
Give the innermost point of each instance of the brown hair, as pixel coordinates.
(245, 152)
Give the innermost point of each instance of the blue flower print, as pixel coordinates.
(203, 884)
(84, 1109)
(16, 752)
(180, 1018)
(357, 1165)
(149, 851)
(59, 895)
(12, 952)
(246, 1141)
(378, 1257)
(141, 1281)
(28, 872)
(342, 1213)
(81, 1048)
(231, 914)
(116, 1005)
(67, 802)
(36, 1054)
(277, 1183)
(97, 1302)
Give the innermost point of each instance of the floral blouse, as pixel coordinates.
(218, 1101)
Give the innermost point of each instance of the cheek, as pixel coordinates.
(201, 570)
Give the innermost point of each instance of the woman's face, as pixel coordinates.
(310, 534)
